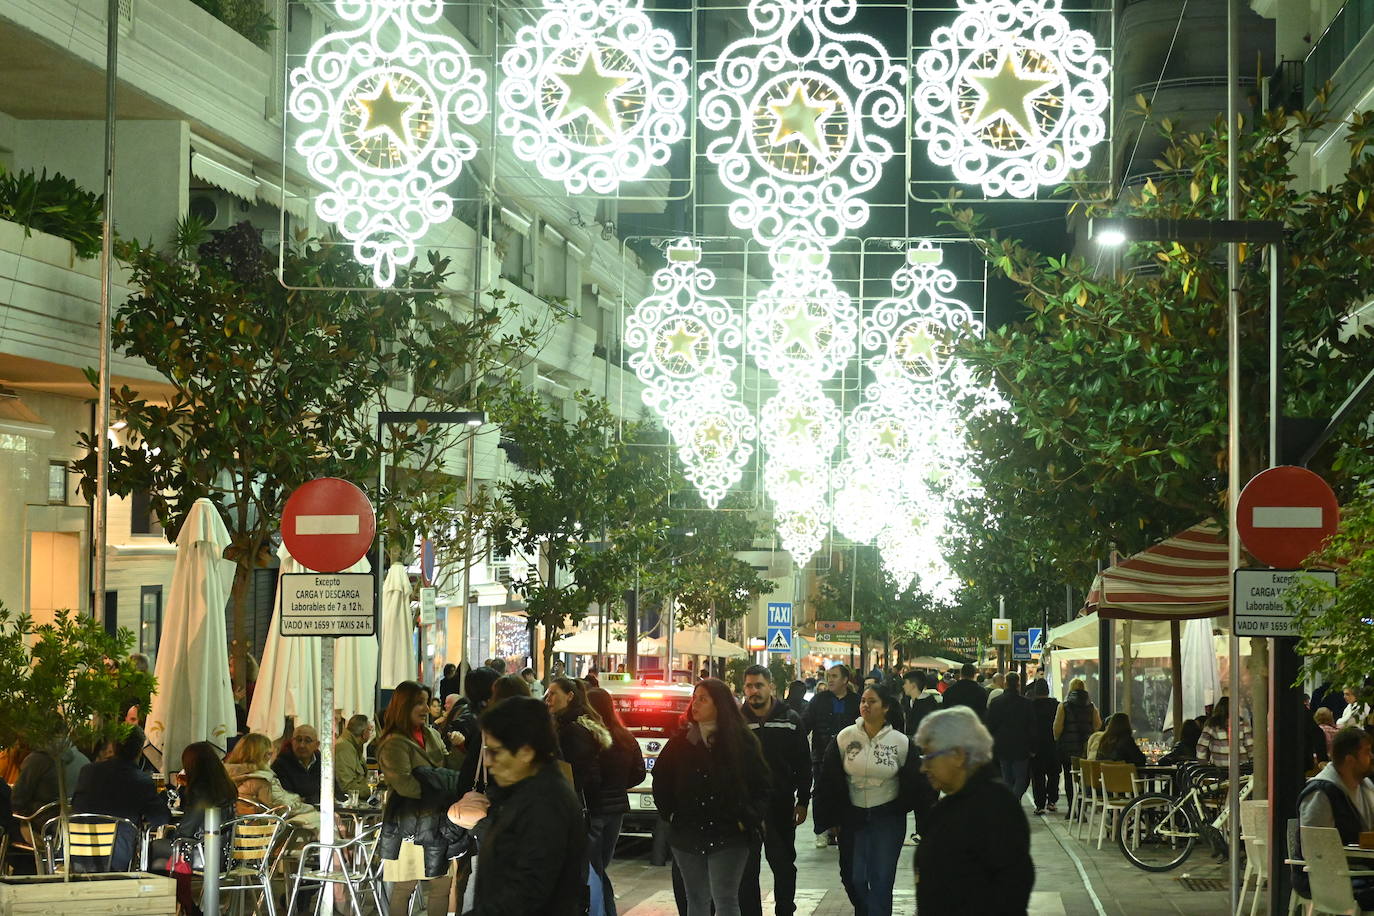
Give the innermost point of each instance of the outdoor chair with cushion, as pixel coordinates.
(1329, 872)
(1295, 898)
(251, 847)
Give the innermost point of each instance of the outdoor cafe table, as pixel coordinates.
(1160, 776)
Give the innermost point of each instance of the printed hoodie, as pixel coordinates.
(872, 765)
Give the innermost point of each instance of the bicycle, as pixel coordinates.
(1158, 831)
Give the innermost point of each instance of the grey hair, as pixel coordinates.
(958, 728)
(357, 725)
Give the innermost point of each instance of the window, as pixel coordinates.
(57, 482)
(142, 518)
(149, 620)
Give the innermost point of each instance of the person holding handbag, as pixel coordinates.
(711, 785)
(414, 846)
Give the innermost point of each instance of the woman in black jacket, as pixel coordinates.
(1074, 721)
(204, 785)
(976, 855)
(1185, 751)
(532, 835)
(622, 768)
(1118, 742)
(582, 739)
(711, 785)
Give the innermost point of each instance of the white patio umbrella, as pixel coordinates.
(583, 642)
(194, 700)
(289, 677)
(695, 641)
(1201, 671)
(397, 630)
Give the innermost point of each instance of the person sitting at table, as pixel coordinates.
(1186, 748)
(119, 788)
(1118, 743)
(350, 758)
(298, 765)
(248, 768)
(205, 784)
(1326, 721)
(1341, 796)
(37, 783)
(1215, 744)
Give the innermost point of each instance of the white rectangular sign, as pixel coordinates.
(327, 604)
(428, 600)
(1260, 606)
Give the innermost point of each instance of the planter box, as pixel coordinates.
(126, 894)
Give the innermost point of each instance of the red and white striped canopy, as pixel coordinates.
(1181, 577)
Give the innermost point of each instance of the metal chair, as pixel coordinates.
(1296, 900)
(31, 836)
(1329, 872)
(1254, 822)
(350, 863)
(250, 848)
(93, 839)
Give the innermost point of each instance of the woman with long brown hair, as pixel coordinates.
(407, 741)
(622, 768)
(711, 785)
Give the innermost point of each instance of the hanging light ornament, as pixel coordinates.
(684, 338)
(593, 94)
(794, 102)
(383, 102)
(802, 327)
(1010, 96)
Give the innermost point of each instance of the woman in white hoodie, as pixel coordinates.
(870, 778)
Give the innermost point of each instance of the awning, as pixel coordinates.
(1182, 577)
(1081, 633)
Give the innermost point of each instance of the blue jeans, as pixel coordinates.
(604, 831)
(870, 842)
(1016, 774)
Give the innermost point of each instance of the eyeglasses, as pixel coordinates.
(927, 758)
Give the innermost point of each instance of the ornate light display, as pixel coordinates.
(794, 102)
(802, 326)
(684, 338)
(1010, 96)
(383, 103)
(593, 94)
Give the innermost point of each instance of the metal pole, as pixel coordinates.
(467, 548)
(326, 730)
(1233, 468)
(100, 510)
(853, 583)
(209, 892)
(379, 572)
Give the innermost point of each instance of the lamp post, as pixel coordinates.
(469, 418)
(1284, 745)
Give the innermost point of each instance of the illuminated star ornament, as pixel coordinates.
(685, 345)
(802, 326)
(381, 105)
(794, 119)
(1010, 96)
(593, 94)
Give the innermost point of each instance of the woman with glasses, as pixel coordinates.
(531, 833)
(870, 778)
(977, 848)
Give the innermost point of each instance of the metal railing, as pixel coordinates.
(1348, 26)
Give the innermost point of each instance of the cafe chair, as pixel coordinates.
(1076, 780)
(1329, 873)
(250, 856)
(95, 845)
(348, 862)
(29, 833)
(1117, 783)
(1254, 826)
(1088, 786)
(1296, 900)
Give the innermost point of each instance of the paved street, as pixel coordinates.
(1112, 887)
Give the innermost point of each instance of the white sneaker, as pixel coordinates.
(822, 841)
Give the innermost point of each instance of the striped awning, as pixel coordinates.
(1181, 577)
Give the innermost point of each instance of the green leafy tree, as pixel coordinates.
(63, 685)
(270, 386)
(583, 503)
(1336, 638)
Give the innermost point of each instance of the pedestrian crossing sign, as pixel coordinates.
(779, 639)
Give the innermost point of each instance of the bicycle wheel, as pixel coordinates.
(1156, 833)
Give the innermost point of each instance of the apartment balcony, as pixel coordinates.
(1344, 55)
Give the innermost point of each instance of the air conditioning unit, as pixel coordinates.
(218, 209)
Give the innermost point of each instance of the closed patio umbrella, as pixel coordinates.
(397, 630)
(194, 700)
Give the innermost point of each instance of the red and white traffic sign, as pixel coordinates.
(328, 524)
(1285, 514)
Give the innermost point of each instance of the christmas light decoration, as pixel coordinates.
(683, 338)
(795, 102)
(1011, 96)
(802, 327)
(593, 94)
(383, 103)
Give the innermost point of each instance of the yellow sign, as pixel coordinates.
(1001, 630)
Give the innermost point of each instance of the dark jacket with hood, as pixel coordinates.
(581, 739)
(1011, 719)
(706, 807)
(1078, 725)
(981, 852)
(826, 717)
(966, 692)
(533, 841)
(783, 739)
(622, 768)
(416, 808)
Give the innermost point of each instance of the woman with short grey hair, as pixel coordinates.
(956, 857)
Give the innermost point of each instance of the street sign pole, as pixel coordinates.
(326, 899)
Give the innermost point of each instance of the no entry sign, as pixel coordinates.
(328, 524)
(1285, 514)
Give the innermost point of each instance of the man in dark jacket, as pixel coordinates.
(1045, 762)
(117, 787)
(780, 732)
(1011, 719)
(967, 692)
(298, 767)
(917, 702)
(831, 711)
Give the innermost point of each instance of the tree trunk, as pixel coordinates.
(243, 581)
(550, 633)
(1127, 664)
(1259, 707)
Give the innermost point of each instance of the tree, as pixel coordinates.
(585, 499)
(271, 386)
(1336, 638)
(63, 685)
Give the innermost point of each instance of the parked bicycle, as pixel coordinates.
(1159, 831)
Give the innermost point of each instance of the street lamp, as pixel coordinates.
(469, 418)
(1283, 663)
